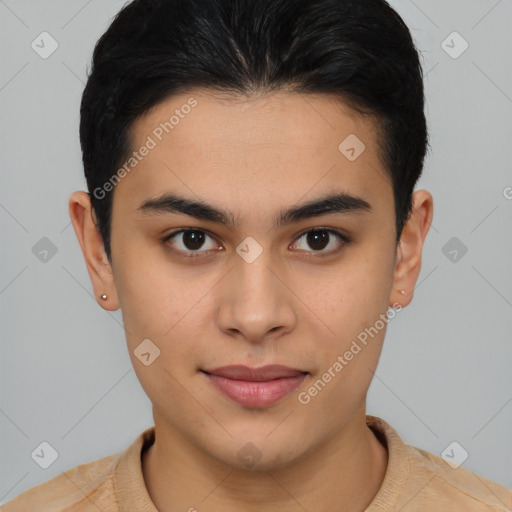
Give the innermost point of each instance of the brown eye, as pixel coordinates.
(193, 240)
(317, 239)
(189, 241)
(320, 238)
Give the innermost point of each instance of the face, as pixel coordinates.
(254, 288)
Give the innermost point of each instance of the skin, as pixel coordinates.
(254, 158)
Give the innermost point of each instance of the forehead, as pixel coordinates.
(276, 148)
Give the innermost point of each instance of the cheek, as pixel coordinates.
(162, 304)
(353, 302)
(154, 295)
(354, 298)
(348, 362)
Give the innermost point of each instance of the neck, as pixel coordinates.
(345, 473)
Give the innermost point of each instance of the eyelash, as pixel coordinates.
(197, 254)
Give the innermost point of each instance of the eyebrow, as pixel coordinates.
(329, 203)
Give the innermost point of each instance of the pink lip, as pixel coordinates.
(256, 387)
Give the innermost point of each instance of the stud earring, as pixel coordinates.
(104, 297)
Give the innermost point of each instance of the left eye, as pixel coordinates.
(194, 239)
(319, 238)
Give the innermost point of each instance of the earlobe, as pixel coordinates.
(398, 294)
(100, 271)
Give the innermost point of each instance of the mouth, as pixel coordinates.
(256, 387)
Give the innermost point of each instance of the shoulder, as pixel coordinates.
(84, 487)
(433, 480)
(419, 481)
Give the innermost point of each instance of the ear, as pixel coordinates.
(93, 249)
(410, 248)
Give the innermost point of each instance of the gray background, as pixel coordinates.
(444, 375)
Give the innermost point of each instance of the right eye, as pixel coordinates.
(189, 241)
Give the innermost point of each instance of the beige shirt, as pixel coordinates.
(415, 481)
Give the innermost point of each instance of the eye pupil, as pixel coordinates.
(316, 238)
(193, 240)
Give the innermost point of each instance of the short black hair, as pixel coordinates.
(360, 51)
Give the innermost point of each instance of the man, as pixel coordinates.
(251, 167)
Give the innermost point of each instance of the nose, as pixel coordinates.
(256, 304)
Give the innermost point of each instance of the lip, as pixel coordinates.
(256, 387)
(261, 374)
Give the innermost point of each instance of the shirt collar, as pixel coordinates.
(129, 484)
(132, 493)
(398, 468)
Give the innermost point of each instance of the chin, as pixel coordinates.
(258, 451)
